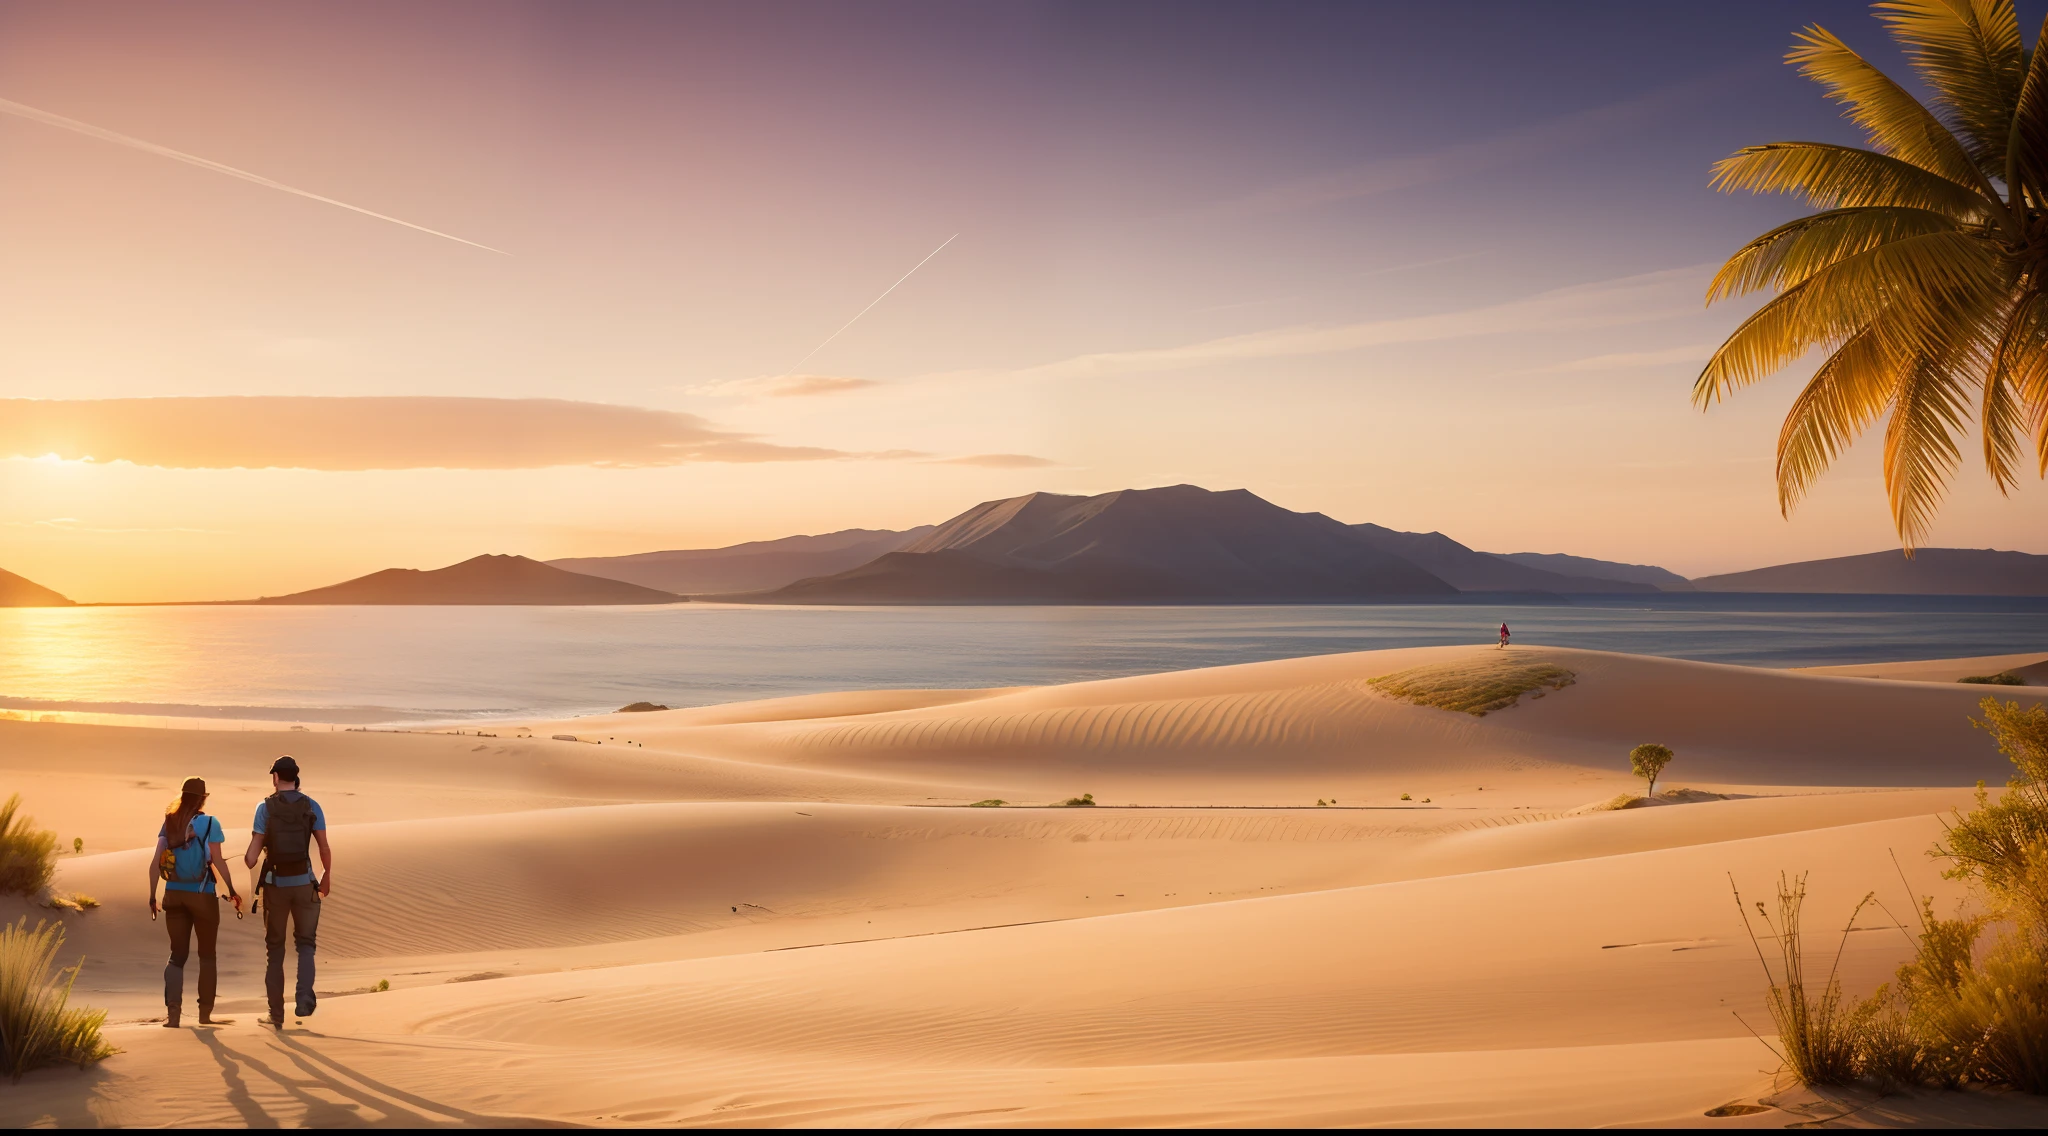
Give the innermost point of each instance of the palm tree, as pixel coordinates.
(1924, 275)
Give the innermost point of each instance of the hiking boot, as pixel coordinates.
(171, 1018)
(307, 1005)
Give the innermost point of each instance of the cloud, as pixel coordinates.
(998, 461)
(379, 433)
(784, 386)
(1608, 303)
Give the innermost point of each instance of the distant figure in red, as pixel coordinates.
(1503, 636)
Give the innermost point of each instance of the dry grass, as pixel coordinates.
(991, 803)
(28, 855)
(1475, 686)
(70, 901)
(1817, 1035)
(36, 1026)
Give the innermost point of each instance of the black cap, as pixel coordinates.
(286, 768)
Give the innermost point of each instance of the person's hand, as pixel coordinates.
(236, 900)
(326, 884)
(152, 905)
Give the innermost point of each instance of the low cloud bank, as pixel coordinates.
(288, 432)
(346, 434)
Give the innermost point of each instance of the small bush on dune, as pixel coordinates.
(36, 1026)
(1996, 680)
(1474, 686)
(991, 803)
(1084, 801)
(28, 855)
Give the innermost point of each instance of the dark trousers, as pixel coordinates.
(300, 904)
(184, 913)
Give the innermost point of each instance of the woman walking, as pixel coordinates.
(187, 856)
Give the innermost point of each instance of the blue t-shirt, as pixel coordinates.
(319, 825)
(207, 829)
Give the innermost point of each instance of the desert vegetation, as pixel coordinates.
(1647, 761)
(1971, 1006)
(37, 1025)
(2000, 679)
(1476, 686)
(28, 855)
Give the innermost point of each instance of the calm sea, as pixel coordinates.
(409, 664)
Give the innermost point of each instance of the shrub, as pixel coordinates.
(28, 855)
(1816, 1031)
(1084, 801)
(78, 844)
(991, 803)
(1996, 680)
(383, 984)
(1474, 686)
(36, 1027)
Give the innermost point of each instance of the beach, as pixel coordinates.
(1297, 899)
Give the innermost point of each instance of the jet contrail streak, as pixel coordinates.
(872, 303)
(21, 110)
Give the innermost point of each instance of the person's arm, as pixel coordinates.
(326, 862)
(220, 864)
(154, 860)
(255, 849)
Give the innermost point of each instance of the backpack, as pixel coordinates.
(287, 832)
(186, 862)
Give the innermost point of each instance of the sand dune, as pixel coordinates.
(782, 912)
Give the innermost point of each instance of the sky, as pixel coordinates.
(296, 292)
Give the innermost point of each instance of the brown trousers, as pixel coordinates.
(184, 913)
(301, 905)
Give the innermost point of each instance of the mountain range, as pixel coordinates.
(1177, 544)
(756, 566)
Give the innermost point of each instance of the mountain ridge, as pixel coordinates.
(1930, 572)
(487, 579)
(20, 591)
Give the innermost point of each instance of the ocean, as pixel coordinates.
(393, 665)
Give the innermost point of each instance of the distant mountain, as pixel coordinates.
(18, 591)
(1663, 579)
(1472, 571)
(756, 566)
(1931, 572)
(1176, 544)
(478, 580)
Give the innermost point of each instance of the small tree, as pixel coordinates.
(1648, 761)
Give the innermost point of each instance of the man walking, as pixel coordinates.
(287, 823)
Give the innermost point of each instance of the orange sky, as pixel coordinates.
(1185, 253)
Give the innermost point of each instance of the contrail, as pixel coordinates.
(20, 110)
(872, 303)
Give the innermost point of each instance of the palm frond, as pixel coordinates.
(2019, 367)
(1843, 398)
(1920, 280)
(1920, 453)
(1895, 121)
(1790, 253)
(1835, 177)
(1969, 51)
(2027, 161)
